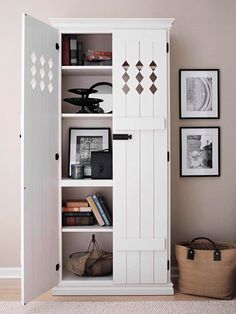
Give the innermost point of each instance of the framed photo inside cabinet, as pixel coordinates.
(82, 141)
(199, 151)
(199, 94)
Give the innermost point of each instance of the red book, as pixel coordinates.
(65, 50)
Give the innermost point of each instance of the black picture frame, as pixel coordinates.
(214, 94)
(86, 132)
(215, 155)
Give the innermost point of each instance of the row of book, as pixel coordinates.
(86, 212)
(73, 53)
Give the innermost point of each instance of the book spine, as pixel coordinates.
(76, 209)
(65, 50)
(102, 212)
(77, 214)
(80, 53)
(73, 51)
(95, 211)
(76, 204)
(100, 198)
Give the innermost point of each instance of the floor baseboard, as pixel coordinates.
(10, 272)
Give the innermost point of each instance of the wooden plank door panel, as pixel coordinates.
(140, 164)
(39, 168)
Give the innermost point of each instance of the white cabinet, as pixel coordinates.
(140, 190)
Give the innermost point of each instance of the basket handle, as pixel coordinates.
(216, 253)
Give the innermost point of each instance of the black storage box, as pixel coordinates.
(101, 165)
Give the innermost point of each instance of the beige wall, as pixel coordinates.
(202, 37)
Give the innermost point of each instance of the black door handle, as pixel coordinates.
(123, 137)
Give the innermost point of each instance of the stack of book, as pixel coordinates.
(86, 212)
(77, 213)
(94, 57)
(100, 210)
(72, 51)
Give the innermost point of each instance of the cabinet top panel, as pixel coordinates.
(70, 25)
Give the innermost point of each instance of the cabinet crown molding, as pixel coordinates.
(107, 24)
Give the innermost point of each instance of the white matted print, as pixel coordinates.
(200, 151)
(199, 94)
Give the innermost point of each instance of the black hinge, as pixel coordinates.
(57, 267)
(168, 156)
(168, 265)
(57, 46)
(124, 137)
(167, 47)
(56, 156)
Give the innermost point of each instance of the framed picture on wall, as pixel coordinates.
(199, 94)
(82, 142)
(199, 151)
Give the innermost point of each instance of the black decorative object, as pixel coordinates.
(101, 164)
(89, 105)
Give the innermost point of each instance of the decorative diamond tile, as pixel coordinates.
(139, 65)
(153, 65)
(33, 57)
(126, 89)
(126, 77)
(139, 89)
(33, 70)
(50, 63)
(139, 77)
(50, 75)
(42, 73)
(42, 60)
(153, 77)
(33, 83)
(153, 89)
(50, 87)
(125, 65)
(42, 85)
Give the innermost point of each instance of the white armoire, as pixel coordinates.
(138, 194)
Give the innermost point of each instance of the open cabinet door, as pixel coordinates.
(140, 176)
(40, 246)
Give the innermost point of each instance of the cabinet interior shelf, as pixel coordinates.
(90, 70)
(66, 182)
(69, 276)
(86, 115)
(95, 228)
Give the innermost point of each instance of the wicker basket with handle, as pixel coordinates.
(207, 268)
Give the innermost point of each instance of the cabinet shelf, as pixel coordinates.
(95, 228)
(83, 70)
(86, 115)
(65, 182)
(69, 276)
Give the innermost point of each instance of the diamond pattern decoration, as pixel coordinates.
(153, 77)
(33, 57)
(139, 77)
(33, 83)
(153, 65)
(126, 89)
(33, 70)
(139, 89)
(125, 65)
(153, 89)
(42, 85)
(50, 87)
(42, 60)
(50, 63)
(50, 75)
(139, 65)
(42, 73)
(125, 77)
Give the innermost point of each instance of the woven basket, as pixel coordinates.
(207, 268)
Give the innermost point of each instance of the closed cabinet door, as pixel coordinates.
(140, 90)
(39, 138)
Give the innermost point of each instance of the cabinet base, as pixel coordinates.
(68, 288)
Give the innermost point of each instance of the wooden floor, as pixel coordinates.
(10, 291)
